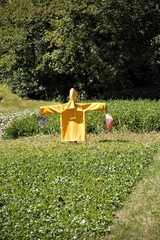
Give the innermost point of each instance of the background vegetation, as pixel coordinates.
(102, 48)
(134, 116)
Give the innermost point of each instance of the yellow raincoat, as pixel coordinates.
(73, 117)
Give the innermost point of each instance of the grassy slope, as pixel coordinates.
(139, 218)
(10, 103)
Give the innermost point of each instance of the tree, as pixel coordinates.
(98, 47)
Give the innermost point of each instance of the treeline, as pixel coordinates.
(105, 49)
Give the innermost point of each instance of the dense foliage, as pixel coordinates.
(63, 191)
(134, 116)
(103, 48)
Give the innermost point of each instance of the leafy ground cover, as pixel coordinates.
(54, 190)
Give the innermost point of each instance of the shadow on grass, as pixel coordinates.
(108, 140)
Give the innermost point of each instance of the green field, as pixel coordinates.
(55, 190)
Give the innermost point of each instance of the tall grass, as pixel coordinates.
(135, 116)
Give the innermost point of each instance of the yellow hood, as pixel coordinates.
(73, 96)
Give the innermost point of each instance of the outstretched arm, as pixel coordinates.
(90, 107)
(54, 109)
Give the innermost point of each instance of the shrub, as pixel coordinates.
(135, 116)
(27, 124)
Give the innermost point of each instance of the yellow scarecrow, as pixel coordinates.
(73, 117)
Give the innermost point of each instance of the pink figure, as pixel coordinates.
(109, 122)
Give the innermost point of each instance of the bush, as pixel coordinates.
(135, 116)
(27, 124)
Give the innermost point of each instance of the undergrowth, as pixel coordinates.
(135, 116)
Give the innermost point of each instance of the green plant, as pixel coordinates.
(27, 123)
(135, 116)
(51, 190)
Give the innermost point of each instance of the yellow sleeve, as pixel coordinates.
(54, 109)
(90, 107)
